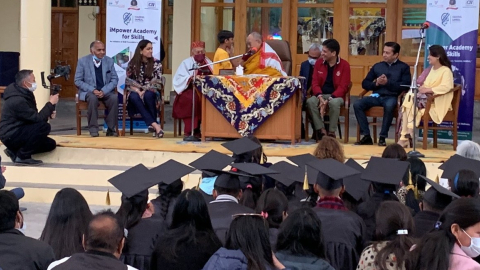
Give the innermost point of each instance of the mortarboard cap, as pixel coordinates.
(241, 146)
(354, 185)
(133, 181)
(456, 163)
(212, 160)
(385, 171)
(331, 172)
(302, 160)
(169, 172)
(228, 180)
(252, 169)
(288, 173)
(438, 196)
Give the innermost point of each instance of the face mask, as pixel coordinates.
(96, 58)
(473, 250)
(312, 61)
(199, 57)
(33, 87)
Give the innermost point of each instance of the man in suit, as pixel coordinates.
(306, 70)
(18, 251)
(96, 80)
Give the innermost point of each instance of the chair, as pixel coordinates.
(451, 116)
(83, 106)
(282, 48)
(344, 111)
(376, 112)
(161, 113)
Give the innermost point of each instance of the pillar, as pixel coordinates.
(35, 42)
(182, 29)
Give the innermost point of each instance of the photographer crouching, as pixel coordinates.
(23, 129)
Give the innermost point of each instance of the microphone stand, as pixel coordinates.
(414, 89)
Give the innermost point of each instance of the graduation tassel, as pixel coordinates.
(305, 180)
(262, 161)
(107, 200)
(199, 182)
(437, 180)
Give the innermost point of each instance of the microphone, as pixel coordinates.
(425, 25)
(251, 52)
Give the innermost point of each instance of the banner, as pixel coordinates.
(454, 25)
(128, 22)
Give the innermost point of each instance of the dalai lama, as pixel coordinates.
(182, 84)
(264, 59)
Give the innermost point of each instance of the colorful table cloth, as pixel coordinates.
(247, 101)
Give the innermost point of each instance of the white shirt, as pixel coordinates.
(56, 263)
(95, 62)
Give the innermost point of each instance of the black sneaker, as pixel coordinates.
(111, 133)
(27, 162)
(381, 142)
(10, 154)
(366, 140)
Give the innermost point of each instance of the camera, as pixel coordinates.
(57, 72)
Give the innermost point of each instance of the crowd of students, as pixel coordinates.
(315, 212)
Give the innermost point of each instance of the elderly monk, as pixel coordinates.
(183, 85)
(264, 59)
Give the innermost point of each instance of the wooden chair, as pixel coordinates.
(344, 111)
(451, 116)
(83, 106)
(161, 113)
(376, 112)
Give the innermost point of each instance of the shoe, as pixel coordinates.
(403, 143)
(160, 134)
(366, 140)
(111, 133)
(381, 142)
(10, 154)
(332, 134)
(319, 135)
(94, 134)
(27, 162)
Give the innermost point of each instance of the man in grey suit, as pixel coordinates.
(96, 80)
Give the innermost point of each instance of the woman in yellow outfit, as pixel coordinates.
(438, 81)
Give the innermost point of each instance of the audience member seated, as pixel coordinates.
(435, 200)
(394, 230)
(385, 80)
(330, 81)
(261, 58)
(162, 206)
(18, 251)
(66, 223)
(453, 243)
(438, 81)
(329, 148)
(23, 129)
(469, 149)
(300, 243)
(96, 80)
(412, 192)
(289, 181)
(395, 151)
(273, 206)
(19, 193)
(103, 243)
(465, 184)
(145, 73)
(190, 240)
(247, 246)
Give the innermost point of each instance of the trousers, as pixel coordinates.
(111, 102)
(31, 139)
(333, 112)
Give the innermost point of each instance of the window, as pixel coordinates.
(265, 17)
(214, 19)
(413, 16)
(367, 27)
(314, 23)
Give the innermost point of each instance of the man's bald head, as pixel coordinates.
(97, 48)
(254, 40)
(104, 233)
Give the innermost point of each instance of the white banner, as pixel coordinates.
(128, 22)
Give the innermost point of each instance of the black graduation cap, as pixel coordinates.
(385, 171)
(456, 163)
(288, 173)
(228, 180)
(241, 146)
(331, 172)
(133, 181)
(302, 160)
(212, 160)
(169, 172)
(438, 196)
(354, 185)
(253, 169)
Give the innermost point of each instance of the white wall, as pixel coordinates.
(182, 29)
(87, 30)
(10, 25)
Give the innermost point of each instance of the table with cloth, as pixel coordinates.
(235, 106)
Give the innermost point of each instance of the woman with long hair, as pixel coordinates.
(465, 184)
(395, 151)
(190, 239)
(66, 223)
(438, 81)
(411, 192)
(273, 206)
(454, 242)
(144, 74)
(163, 204)
(394, 230)
(329, 147)
(247, 246)
(300, 243)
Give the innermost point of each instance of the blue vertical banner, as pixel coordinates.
(454, 25)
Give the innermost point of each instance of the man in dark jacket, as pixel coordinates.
(103, 242)
(18, 251)
(385, 80)
(23, 129)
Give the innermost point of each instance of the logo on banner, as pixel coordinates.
(470, 4)
(445, 18)
(127, 18)
(115, 4)
(139, 19)
(152, 5)
(435, 4)
(453, 5)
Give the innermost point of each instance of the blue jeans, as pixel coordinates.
(389, 103)
(147, 108)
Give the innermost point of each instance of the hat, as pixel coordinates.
(354, 185)
(302, 160)
(288, 173)
(437, 196)
(133, 181)
(385, 171)
(331, 172)
(241, 146)
(169, 172)
(212, 160)
(253, 169)
(228, 180)
(456, 163)
(198, 44)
